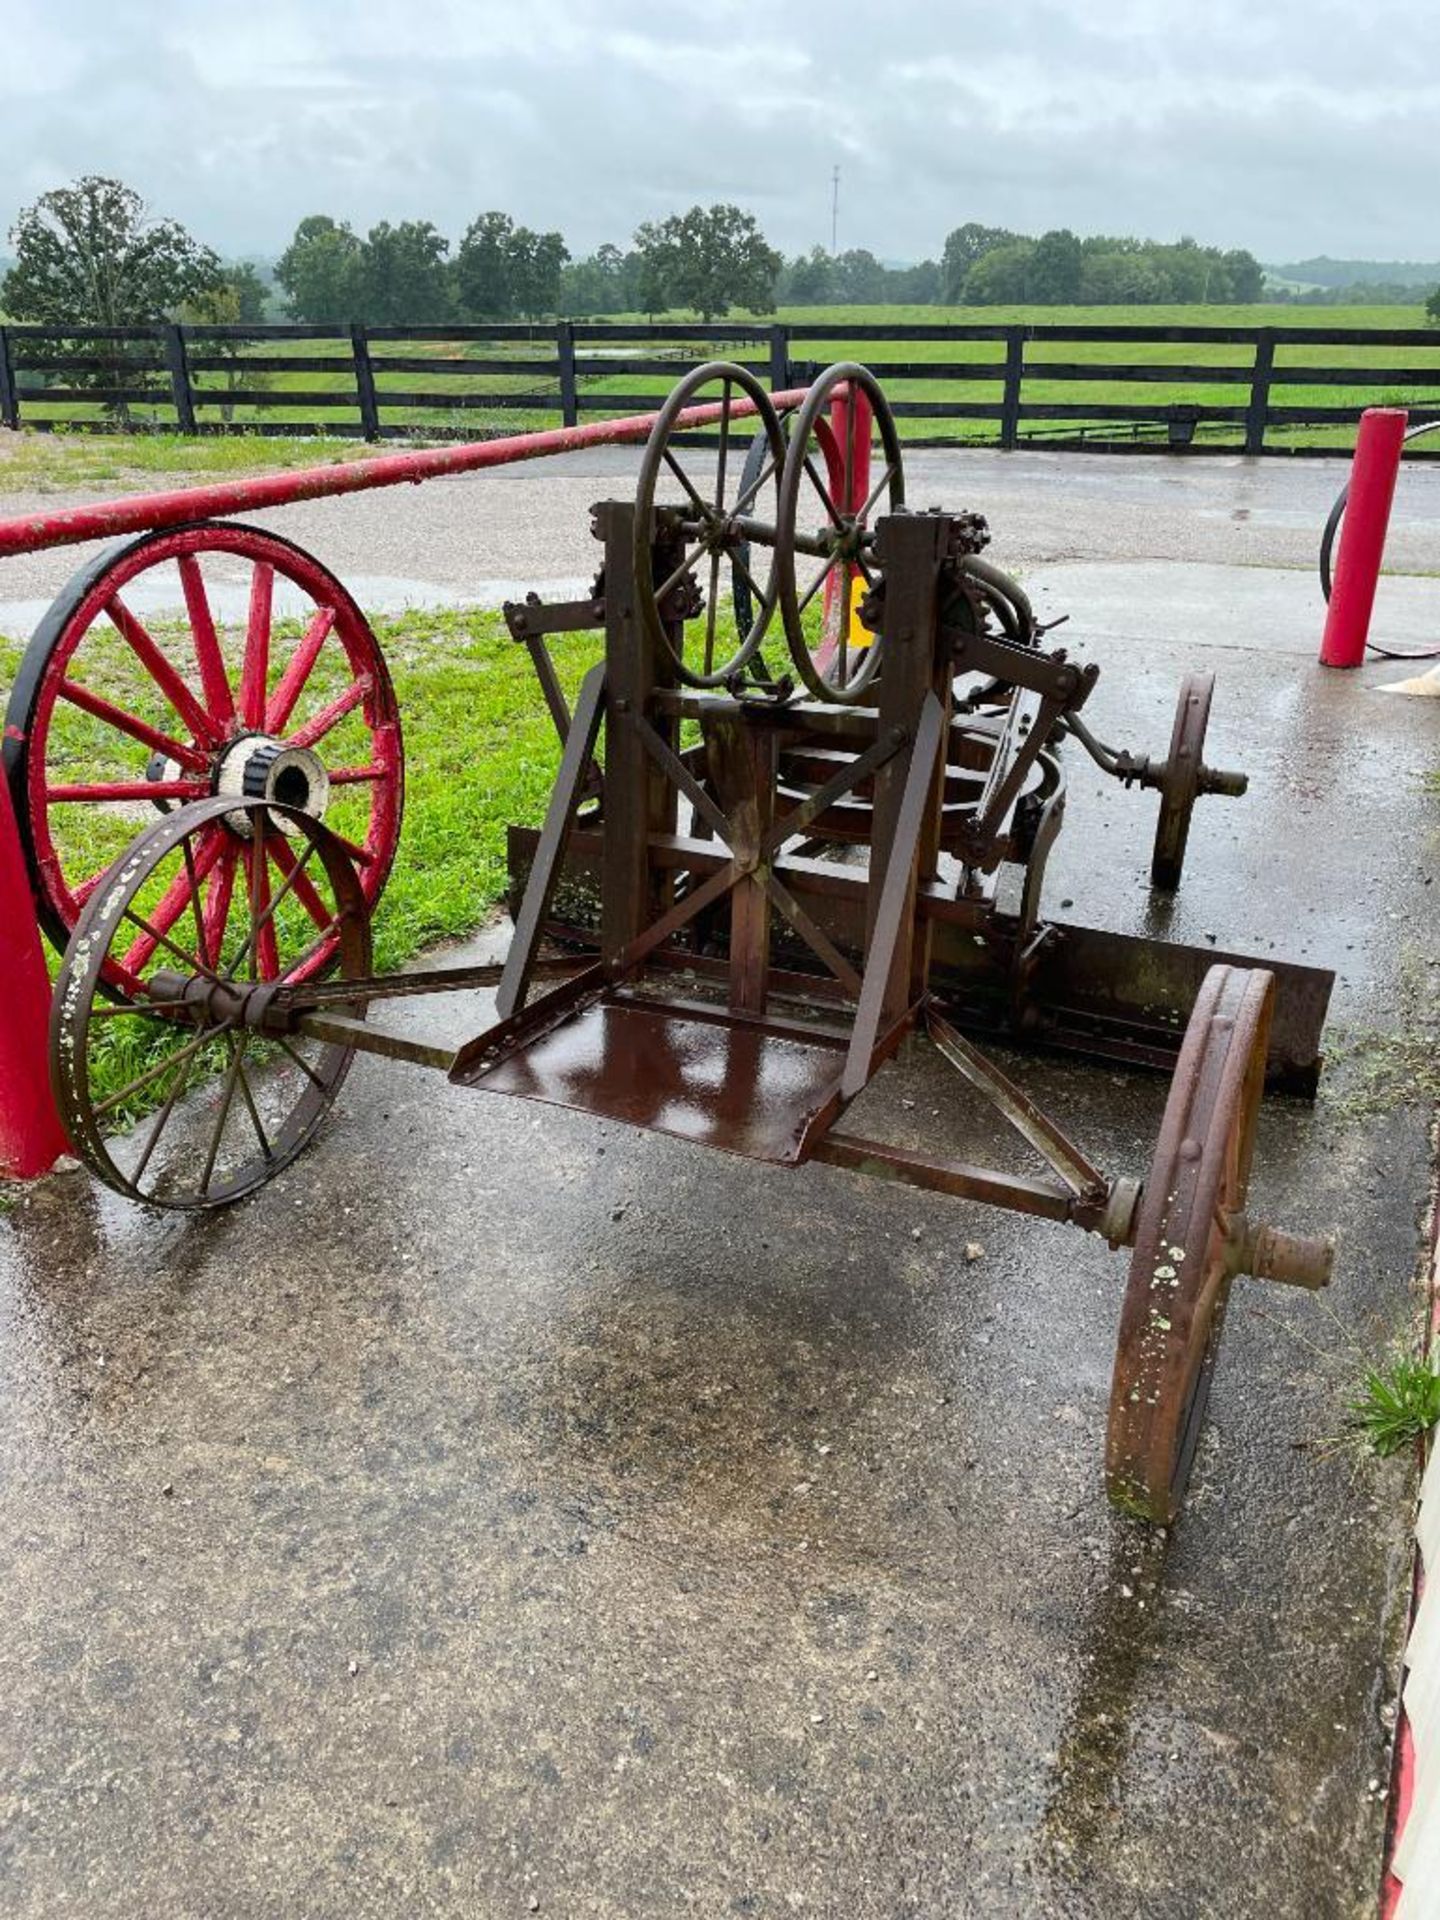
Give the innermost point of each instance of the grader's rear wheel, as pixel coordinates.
(1184, 1254)
(175, 1101)
(118, 710)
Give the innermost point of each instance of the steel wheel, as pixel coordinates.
(833, 556)
(215, 1108)
(1184, 765)
(1184, 1255)
(716, 521)
(108, 719)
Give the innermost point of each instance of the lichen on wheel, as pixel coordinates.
(1186, 1249)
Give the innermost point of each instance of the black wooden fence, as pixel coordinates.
(1256, 390)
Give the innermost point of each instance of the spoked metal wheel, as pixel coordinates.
(1188, 1244)
(717, 519)
(271, 683)
(169, 1096)
(824, 525)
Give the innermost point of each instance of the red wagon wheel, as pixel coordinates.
(1185, 1253)
(118, 712)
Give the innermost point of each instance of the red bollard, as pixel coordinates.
(31, 1137)
(850, 414)
(1378, 448)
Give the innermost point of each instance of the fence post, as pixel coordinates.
(9, 393)
(179, 367)
(779, 357)
(1259, 404)
(364, 382)
(1014, 374)
(565, 351)
(31, 1137)
(1378, 448)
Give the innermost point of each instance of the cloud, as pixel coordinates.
(1289, 127)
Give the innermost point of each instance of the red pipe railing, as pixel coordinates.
(141, 512)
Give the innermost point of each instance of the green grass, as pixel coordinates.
(65, 462)
(1398, 1402)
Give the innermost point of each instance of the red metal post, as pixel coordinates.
(1378, 448)
(31, 1137)
(850, 416)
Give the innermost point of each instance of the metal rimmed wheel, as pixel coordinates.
(717, 520)
(1181, 787)
(1189, 1244)
(831, 556)
(119, 710)
(168, 1096)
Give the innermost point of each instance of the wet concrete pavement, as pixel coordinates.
(503, 1513)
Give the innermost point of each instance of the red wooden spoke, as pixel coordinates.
(132, 790)
(172, 903)
(300, 884)
(87, 887)
(255, 671)
(351, 776)
(213, 677)
(362, 856)
(138, 729)
(162, 673)
(267, 950)
(218, 895)
(332, 715)
(302, 661)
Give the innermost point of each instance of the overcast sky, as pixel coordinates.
(1289, 126)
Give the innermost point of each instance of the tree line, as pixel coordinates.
(92, 252)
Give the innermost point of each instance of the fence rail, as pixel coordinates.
(1253, 390)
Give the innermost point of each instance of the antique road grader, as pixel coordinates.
(773, 850)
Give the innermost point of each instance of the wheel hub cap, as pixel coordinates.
(260, 768)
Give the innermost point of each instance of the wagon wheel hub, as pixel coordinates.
(259, 767)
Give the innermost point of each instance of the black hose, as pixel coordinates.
(1327, 546)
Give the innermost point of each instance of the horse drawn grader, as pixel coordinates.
(822, 729)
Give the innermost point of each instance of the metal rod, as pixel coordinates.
(105, 519)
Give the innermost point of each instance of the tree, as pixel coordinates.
(402, 275)
(320, 270)
(604, 282)
(709, 260)
(963, 248)
(1432, 308)
(999, 278)
(92, 253)
(1053, 279)
(808, 278)
(536, 263)
(859, 278)
(238, 298)
(502, 271)
(482, 268)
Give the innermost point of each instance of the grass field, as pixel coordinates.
(529, 397)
